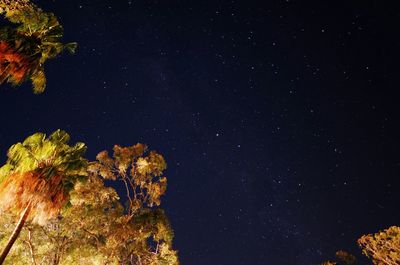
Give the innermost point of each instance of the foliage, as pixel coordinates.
(345, 257)
(141, 175)
(41, 170)
(342, 257)
(383, 247)
(143, 235)
(25, 49)
(328, 263)
(95, 228)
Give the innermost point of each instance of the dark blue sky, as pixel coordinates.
(278, 119)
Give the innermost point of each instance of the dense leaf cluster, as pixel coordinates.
(41, 171)
(382, 247)
(26, 47)
(140, 173)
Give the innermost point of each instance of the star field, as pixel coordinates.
(278, 119)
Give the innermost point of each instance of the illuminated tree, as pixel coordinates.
(76, 234)
(142, 235)
(25, 48)
(95, 228)
(383, 247)
(37, 178)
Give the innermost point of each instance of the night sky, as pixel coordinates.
(279, 120)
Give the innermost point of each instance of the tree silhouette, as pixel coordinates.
(37, 178)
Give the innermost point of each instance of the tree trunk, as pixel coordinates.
(16, 232)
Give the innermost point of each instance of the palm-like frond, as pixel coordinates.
(36, 39)
(41, 170)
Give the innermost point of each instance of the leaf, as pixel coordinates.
(38, 81)
(71, 47)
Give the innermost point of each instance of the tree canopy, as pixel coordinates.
(382, 247)
(94, 226)
(25, 47)
(41, 170)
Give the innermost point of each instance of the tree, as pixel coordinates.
(37, 178)
(74, 236)
(25, 49)
(382, 247)
(94, 227)
(143, 235)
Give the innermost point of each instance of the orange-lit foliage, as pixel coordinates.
(328, 263)
(342, 258)
(26, 47)
(13, 5)
(46, 196)
(39, 172)
(345, 257)
(140, 172)
(382, 247)
(36, 178)
(15, 67)
(94, 228)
